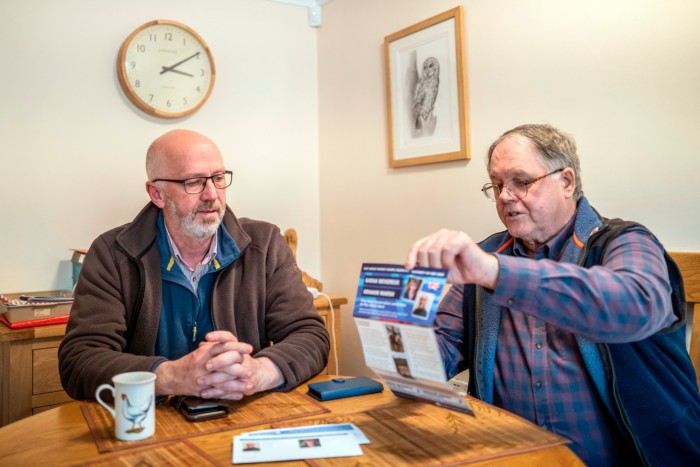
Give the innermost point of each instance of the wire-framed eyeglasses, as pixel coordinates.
(515, 187)
(196, 185)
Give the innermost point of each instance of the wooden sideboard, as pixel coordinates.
(29, 380)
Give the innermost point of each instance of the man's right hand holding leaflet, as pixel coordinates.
(465, 261)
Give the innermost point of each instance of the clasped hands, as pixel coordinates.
(221, 367)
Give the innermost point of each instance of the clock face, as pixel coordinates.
(166, 69)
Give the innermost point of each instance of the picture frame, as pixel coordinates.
(426, 87)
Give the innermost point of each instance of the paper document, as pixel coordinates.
(306, 442)
(303, 430)
(394, 313)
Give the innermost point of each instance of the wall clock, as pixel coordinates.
(166, 69)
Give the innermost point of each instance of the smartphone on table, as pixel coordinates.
(196, 409)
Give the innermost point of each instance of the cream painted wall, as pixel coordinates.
(294, 103)
(72, 147)
(621, 76)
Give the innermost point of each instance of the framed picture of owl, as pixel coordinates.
(426, 85)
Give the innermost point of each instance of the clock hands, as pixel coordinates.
(165, 69)
(177, 71)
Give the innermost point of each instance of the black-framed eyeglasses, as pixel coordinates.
(516, 188)
(196, 185)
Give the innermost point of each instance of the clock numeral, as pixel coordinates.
(150, 97)
(132, 64)
(201, 72)
(168, 36)
(137, 83)
(168, 103)
(140, 48)
(152, 37)
(199, 90)
(185, 101)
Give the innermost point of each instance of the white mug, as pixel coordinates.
(134, 409)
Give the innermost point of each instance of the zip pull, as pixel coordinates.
(194, 332)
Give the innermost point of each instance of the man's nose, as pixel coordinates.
(209, 191)
(506, 195)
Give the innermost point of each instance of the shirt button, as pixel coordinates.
(538, 384)
(194, 279)
(510, 301)
(539, 346)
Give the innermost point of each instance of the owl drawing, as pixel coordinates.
(424, 97)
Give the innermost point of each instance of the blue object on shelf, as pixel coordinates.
(77, 261)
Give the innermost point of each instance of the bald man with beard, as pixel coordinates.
(191, 292)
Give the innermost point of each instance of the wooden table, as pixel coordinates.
(61, 436)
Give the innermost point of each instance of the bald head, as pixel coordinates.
(170, 152)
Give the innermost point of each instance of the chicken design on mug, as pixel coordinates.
(134, 412)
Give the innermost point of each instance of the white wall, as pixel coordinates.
(292, 103)
(72, 147)
(621, 76)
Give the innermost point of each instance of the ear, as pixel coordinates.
(568, 179)
(155, 194)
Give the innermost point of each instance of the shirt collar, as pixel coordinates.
(551, 249)
(211, 253)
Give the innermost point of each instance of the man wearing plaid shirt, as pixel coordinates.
(563, 320)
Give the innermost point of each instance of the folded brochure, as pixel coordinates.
(394, 313)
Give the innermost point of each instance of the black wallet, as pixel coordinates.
(338, 388)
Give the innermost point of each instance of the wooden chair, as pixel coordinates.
(689, 264)
(290, 236)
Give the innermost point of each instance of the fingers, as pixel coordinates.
(180, 376)
(229, 393)
(221, 366)
(220, 336)
(222, 385)
(226, 361)
(223, 350)
(213, 349)
(456, 252)
(224, 357)
(233, 378)
(262, 374)
(412, 258)
(420, 252)
(226, 369)
(435, 251)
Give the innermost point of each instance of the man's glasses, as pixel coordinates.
(196, 184)
(516, 188)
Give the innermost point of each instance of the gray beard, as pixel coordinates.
(189, 224)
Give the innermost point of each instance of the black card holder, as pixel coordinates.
(339, 388)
